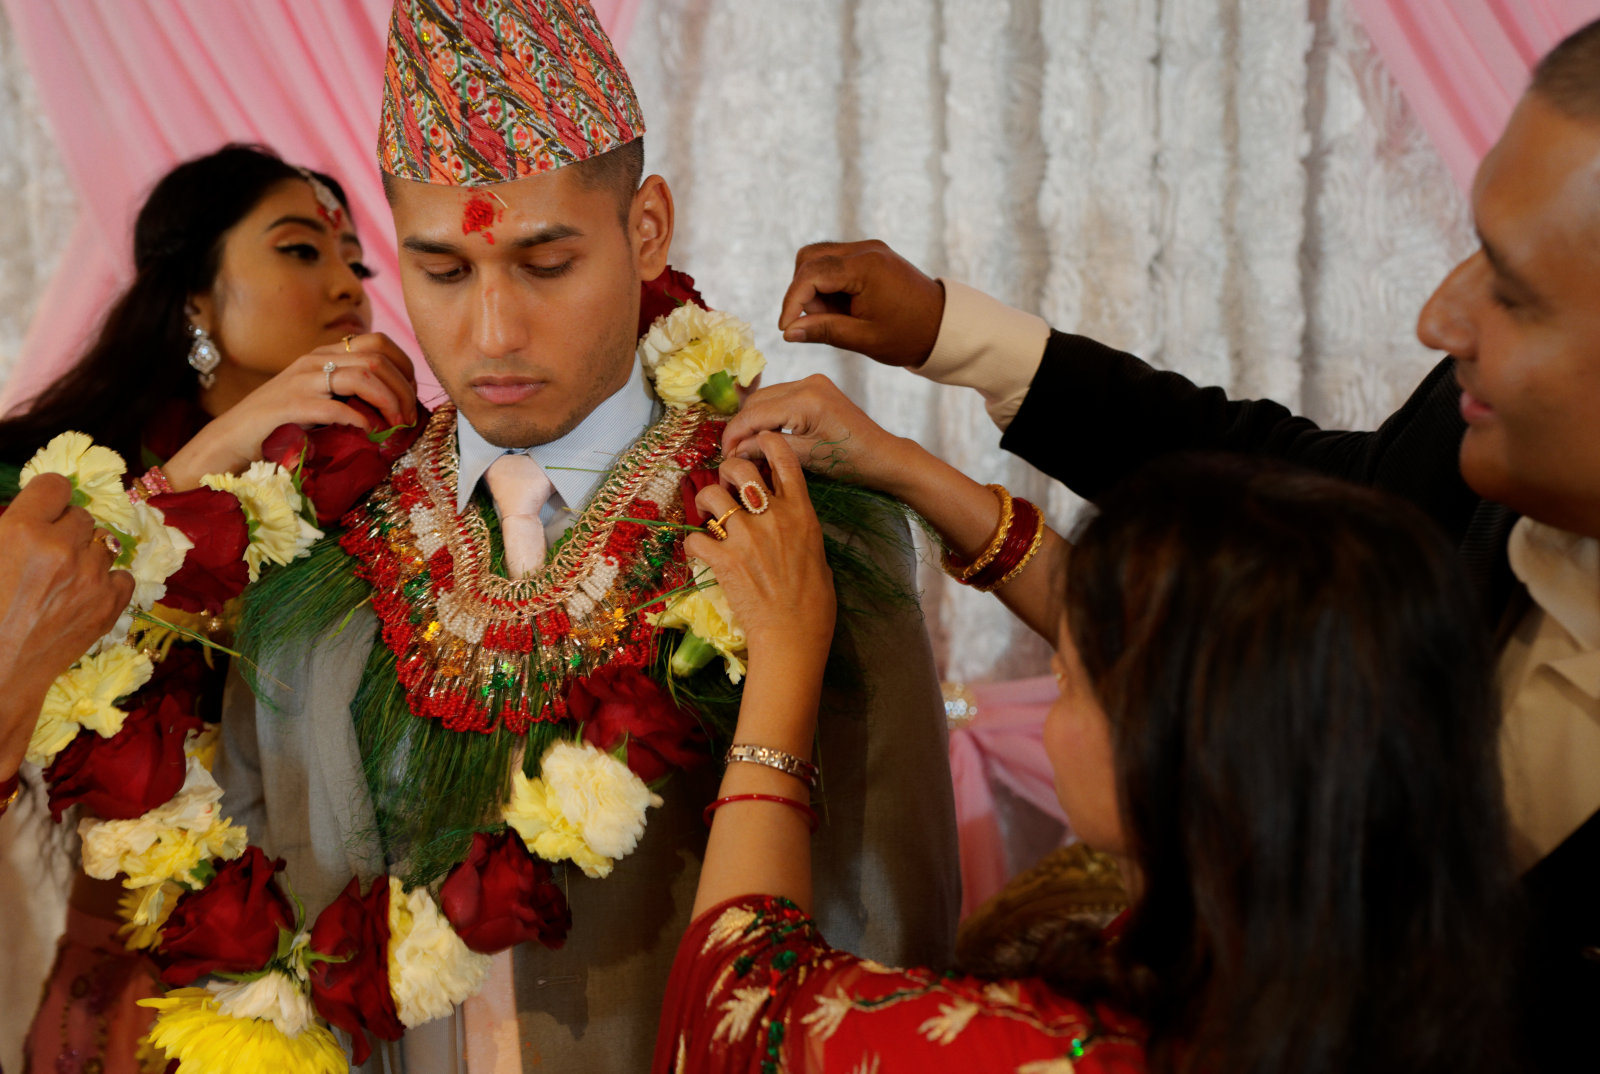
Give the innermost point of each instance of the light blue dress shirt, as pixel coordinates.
(576, 463)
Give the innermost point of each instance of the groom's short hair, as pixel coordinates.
(1569, 75)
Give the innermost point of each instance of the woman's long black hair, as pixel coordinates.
(138, 362)
(1302, 708)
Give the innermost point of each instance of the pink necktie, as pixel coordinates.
(520, 489)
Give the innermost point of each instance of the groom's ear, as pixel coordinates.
(650, 220)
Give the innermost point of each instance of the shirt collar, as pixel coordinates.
(577, 462)
(1562, 573)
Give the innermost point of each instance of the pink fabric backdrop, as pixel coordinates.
(1463, 64)
(1000, 747)
(131, 87)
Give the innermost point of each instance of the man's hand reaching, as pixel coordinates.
(863, 297)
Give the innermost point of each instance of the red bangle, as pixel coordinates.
(805, 810)
(1021, 538)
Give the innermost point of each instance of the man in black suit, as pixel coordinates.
(1500, 444)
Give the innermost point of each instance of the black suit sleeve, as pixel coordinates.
(1093, 415)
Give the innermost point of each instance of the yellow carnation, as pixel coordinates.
(279, 533)
(690, 345)
(173, 856)
(430, 969)
(168, 841)
(96, 476)
(51, 734)
(191, 1028)
(144, 912)
(86, 696)
(203, 745)
(705, 613)
(585, 806)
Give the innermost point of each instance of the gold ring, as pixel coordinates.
(714, 525)
(346, 342)
(111, 544)
(754, 497)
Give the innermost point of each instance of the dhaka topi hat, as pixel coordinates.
(486, 91)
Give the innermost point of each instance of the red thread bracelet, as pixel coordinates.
(805, 810)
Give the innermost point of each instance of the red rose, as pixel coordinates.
(185, 676)
(287, 446)
(664, 294)
(230, 925)
(502, 896)
(339, 464)
(689, 485)
(344, 465)
(214, 570)
(620, 703)
(130, 773)
(353, 994)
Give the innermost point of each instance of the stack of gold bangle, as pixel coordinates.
(1015, 542)
(965, 572)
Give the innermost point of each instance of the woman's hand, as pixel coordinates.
(830, 434)
(58, 594)
(771, 567)
(369, 367)
(772, 570)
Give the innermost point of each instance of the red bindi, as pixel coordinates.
(479, 215)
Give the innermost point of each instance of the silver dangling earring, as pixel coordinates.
(203, 356)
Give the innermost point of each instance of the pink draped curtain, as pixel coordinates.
(1463, 64)
(1000, 747)
(131, 87)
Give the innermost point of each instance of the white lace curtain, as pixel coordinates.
(1230, 188)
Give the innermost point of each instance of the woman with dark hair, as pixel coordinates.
(1276, 713)
(247, 310)
(248, 282)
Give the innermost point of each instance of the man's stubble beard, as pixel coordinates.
(515, 432)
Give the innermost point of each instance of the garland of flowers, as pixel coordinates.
(120, 739)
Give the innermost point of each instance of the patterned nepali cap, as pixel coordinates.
(484, 91)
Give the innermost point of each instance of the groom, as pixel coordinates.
(512, 158)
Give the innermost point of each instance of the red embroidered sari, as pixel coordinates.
(756, 990)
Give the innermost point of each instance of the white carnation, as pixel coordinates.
(274, 997)
(430, 968)
(159, 554)
(586, 807)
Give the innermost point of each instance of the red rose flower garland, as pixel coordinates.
(121, 740)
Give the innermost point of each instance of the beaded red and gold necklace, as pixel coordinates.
(478, 651)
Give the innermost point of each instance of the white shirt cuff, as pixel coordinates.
(985, 344)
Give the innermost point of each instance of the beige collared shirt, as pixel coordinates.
(1550, 683)
(985, 344)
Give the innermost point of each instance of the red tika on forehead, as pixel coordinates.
(486, 91)
(479, 214)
